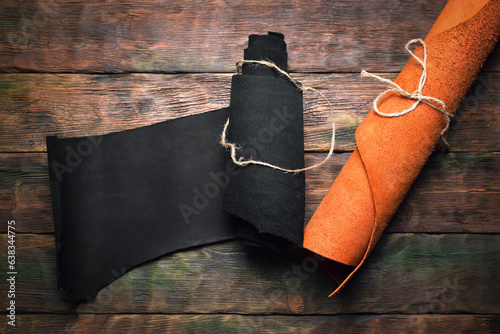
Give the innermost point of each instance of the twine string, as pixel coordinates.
(241, 161)
(416, 95)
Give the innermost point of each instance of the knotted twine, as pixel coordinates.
(416, 95)
(241, 161)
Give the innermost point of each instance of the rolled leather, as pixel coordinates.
(125, 198)
(391, 152)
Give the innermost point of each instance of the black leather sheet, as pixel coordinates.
(126, 198)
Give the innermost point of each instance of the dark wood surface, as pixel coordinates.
(85, 68)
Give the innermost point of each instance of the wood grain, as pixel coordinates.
(456, 192)
(407, 273)
(66, 69)
(36, 105)
(208, 36)
(160, 323)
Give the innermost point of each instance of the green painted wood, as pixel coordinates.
(35, 105)
(407, 273)
(208, 36)
(159, 323)
(456, 192)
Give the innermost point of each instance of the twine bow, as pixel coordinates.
(416, 95)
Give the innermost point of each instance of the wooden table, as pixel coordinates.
(86, 67)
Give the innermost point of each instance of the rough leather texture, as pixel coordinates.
(391, 151)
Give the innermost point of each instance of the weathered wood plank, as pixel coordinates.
(159, 323)
(456, 192)
(35, 105)
(407, 273)
(25, 192)
(208, 36)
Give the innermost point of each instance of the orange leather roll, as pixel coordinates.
(391, 151)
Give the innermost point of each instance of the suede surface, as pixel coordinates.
(391, 152)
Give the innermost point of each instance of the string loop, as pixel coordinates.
(417, 95)
(241, 161)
